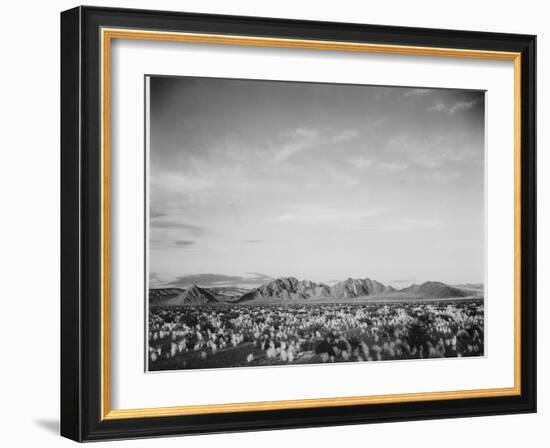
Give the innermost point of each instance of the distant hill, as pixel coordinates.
(290, 289)
(192, 296)
(287, 288)
(158, 295)
(434, 290)
(473, 289)
(469, 286)
(351, 288)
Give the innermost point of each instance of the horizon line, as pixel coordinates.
(169, 285)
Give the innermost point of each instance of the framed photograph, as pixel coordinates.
(273, 223)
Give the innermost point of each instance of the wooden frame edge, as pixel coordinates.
(107, 34)
(306, 403)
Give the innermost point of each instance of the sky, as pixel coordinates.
(252, 180)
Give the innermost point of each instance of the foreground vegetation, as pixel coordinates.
(213, 336)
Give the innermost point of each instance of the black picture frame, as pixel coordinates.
(81, 287)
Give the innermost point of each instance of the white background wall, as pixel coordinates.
(29, 235)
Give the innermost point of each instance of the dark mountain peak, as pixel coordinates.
(287, 288)
(359, 287)
(434, 290)
(350, 288)
(195, 295)
(291, 289)
(158, 295)
(432, 283)
(287, 282)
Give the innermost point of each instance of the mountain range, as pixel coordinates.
(290, 289)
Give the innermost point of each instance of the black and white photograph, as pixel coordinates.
(285, 220)
(312, 223)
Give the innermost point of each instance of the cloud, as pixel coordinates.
(436, 107)
(184, 243)
(447, 154)
(327, 216)
(209, 280)
(252, 241)
(176, 223)
(407, 281)
(461, 105)
(157, 280)
(168, 243)
(182, 182)
(374, 123)
(393, 166)
(442, 176)
(297, 141)
(361, 162)
(416, 92)
(451, 109)
(344, 136)
(192, 181)
(450, 154)
(421, 223)
(302, 139)
(155, 213)
(409, 224)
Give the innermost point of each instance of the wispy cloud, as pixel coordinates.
(446, 156)
(410, 224)
(165, 242)
(252, 241)
(451, 109)
(374, 123)
(157, 280)
(361, 162)
(297, 141)
(302, 139)
(442, 176)
(182, 182)
(436, 107)
(155, 213)
(343, 136)
(461, 105)
(211, 280)
(178, 223)
(393, 166)
(364, 163)
(184, 243)
(327, 216)
(435, 167)
(416, 92)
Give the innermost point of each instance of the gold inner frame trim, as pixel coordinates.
(107, 35)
